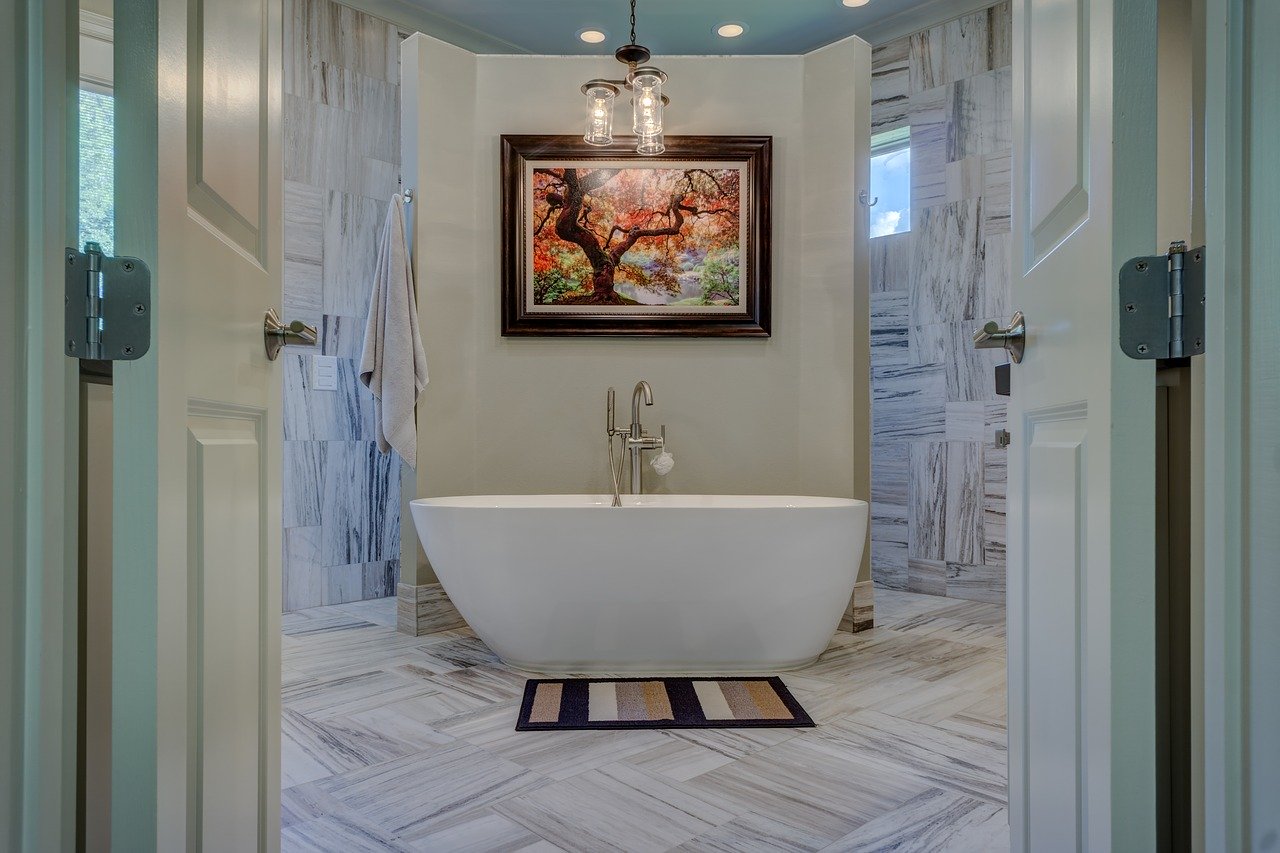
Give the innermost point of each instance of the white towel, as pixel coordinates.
(393, 364)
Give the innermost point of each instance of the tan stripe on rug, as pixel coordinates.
(768, 701)
(657, 701)
(546, 703)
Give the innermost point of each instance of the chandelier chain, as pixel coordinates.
(633, 21)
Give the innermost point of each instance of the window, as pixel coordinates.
(97, 133)
(97, 170)
(891, 182)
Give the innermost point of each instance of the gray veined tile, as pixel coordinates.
(889, 533)
(351, 228)
(927, 505)
(976, 583)
(303, 223)
(379, 579)
(967, 421)
(303, 477)
(482, 831)
(343, 583)
(346, 695)
(890, 262)
(890, 470)
(964, 178)
(942, 758)
(890, 85)
(361, 509)
(313, 749)
(413, 796)
(997, 193)
(997, 289)
(969, 372)
(617, 808)
(889, 323)
(302, 575)
(325, 31)
(752, 833)
(560, 755)
(678, 759)
(964, 503)
(908, 401)
(483, 683)
(946, 281)
(952, 51)
(1000, 26)
(936, 820)
(993, 505)
(342, 415)
(982, 114)
(930, 147)
(926, 576)
(342, 336)
(805, 783)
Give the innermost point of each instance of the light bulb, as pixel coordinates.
(646, 115)
(600, 98)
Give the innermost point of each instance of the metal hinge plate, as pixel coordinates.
(108, 306)
(1162, 304)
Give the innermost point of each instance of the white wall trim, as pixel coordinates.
(921, 17)
(97, 49)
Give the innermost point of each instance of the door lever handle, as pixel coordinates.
(1012, 338)
(275, 334)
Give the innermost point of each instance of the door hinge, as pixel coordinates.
(1162, 304)
(108, 306)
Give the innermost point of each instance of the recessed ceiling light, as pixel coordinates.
(855, 3)
(592, 36)
(731, 30)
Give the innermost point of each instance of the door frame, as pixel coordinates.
(1226, 790)
(39, 422)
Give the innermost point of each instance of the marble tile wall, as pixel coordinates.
(341, 165)
(938, 481)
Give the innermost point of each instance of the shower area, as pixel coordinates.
(341, 114)
(939, 270)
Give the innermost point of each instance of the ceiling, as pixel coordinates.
(672, 27)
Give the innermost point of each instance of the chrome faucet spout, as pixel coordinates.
(645, 389)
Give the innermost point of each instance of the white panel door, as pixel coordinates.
(1081, 463)
(197, 589)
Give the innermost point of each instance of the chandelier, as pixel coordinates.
(644, 82)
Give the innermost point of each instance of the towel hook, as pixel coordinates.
(862, 197)
(408, 196)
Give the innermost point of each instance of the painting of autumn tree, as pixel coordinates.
(636, 236)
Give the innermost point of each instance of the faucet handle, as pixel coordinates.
(662, 442)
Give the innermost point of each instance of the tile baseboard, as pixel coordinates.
(425, 609)
(860, 615)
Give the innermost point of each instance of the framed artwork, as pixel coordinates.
(603, 241)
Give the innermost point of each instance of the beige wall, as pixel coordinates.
(777, 416)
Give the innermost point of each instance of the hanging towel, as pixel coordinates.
(393, 364)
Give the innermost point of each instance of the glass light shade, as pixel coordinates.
(600, 99)
(651, 143)
(646, 102)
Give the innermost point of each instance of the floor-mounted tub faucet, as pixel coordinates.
(635, 441)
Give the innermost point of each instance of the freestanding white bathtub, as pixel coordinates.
(665, 583)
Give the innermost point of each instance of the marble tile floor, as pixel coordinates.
(401, 743)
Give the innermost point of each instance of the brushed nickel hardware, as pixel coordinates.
(1012, 339)
(634, 440)
(108, 306)
(275, 334)
(863, 196)
(1162, 302)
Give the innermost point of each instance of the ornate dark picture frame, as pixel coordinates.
(686, 289)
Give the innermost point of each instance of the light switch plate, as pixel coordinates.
(324, 373)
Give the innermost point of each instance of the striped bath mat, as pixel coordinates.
(658, 703)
